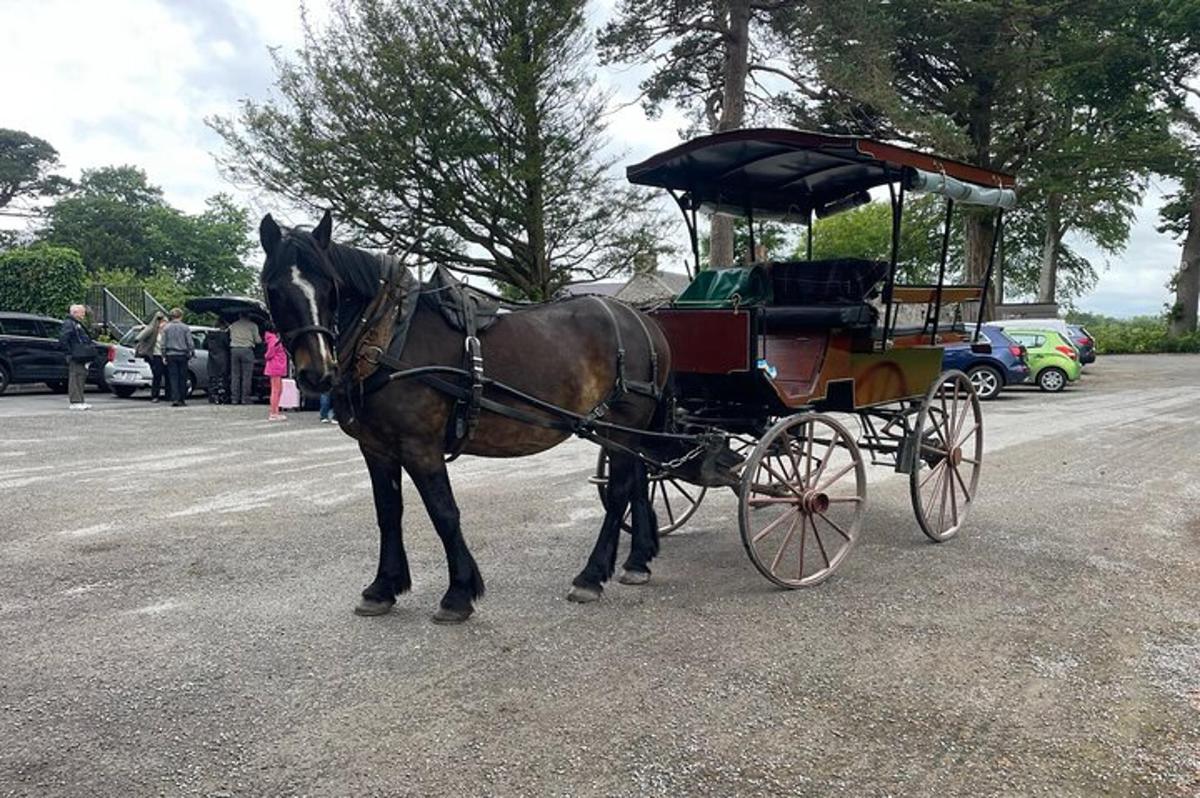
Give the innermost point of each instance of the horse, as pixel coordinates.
(575, 354)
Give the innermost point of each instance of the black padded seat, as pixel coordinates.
(828, 317)
(816, 282)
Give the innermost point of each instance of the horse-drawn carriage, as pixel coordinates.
(765, 362)
(768, 352)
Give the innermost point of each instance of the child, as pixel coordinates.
(275, 367)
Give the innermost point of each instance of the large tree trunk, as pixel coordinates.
(1187, 281)
(980, 230)
(1051, 244)
(733, 115)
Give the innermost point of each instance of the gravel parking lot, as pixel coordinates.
(176, 587)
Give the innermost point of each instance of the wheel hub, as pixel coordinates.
(956, 456)
(812, 501)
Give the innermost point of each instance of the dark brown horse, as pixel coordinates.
(564, 353)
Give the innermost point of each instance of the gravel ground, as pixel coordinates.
(176, 586)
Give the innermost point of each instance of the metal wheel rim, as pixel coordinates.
(985, 382)
(802, 498)
(1052, 380)
(674, 501)
(950, 424)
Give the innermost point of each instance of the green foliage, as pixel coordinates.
(26, 163)
(41, 279)
(1139, 335)
(472, 130)
(866, 232)
(118, 220)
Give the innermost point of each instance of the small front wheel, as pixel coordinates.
(674, 500)
(1052, 379)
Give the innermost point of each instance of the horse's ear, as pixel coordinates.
(269, 234)
(323, 232)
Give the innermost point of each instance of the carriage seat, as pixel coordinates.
(459, 303)
(837, 281)
(845, 316)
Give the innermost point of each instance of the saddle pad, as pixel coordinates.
(455, 301)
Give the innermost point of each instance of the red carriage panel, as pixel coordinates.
(707, 341)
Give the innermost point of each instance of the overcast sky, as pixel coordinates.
(131, 81)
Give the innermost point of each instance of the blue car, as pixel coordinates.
(989, 373)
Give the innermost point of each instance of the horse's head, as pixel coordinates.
(301, 289)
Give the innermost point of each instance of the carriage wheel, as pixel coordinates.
(945, 475)
(674, 501)
(802, 499)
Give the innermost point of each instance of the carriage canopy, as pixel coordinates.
(771, 173)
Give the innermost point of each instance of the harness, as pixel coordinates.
(369, 358)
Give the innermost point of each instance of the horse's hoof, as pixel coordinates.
(583, 595)
(448, 616)
(370, 607)
(634, 577)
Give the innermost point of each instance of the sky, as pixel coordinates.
(132, 81)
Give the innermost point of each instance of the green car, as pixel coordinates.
(1053, 362)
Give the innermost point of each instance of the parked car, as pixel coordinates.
(30, 352)
(1053, 362)
(1084, 342)
(126, 373)
(989, 372)
(1057, 325)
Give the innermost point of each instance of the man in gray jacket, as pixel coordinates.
(243, 337)
(178, 349)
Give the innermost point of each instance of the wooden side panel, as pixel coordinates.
(895, 374)
(797, 359)
(707, 341)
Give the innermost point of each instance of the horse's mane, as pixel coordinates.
(349, 267)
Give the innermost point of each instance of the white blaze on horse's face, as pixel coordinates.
(311, 295)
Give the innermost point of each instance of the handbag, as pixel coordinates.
(289, 395)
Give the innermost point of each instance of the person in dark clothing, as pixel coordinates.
(217, 345)
(80, 352)
(243, 337)
(178, 348)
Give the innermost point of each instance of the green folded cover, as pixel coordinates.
(727, 288)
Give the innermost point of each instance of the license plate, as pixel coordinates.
(127, 376)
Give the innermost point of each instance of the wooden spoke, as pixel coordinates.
(771, 527)
(786, 540)
(836, 528)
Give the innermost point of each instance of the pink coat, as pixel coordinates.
(276, 364)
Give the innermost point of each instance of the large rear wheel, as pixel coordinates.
(944, 476)
(803, 493)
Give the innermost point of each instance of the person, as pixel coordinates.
(80, 352)
(243, 337)
(178, 348)
(275, 367)
(217, 344)
(327, 416)
(149, 347)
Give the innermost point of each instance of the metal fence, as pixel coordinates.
(118, 308)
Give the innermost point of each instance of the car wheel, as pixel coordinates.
(58, 386)
(5, 378)
(123, 391)
(1052, 379)
(987, 381)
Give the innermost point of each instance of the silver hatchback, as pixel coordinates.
(126, 373)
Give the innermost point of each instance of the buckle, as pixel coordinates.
(372, 361)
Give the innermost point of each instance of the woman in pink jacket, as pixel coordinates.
(275, 367)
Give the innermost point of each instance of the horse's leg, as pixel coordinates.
(466, 583)
(392, 578)
(589, 584)
(644, 546)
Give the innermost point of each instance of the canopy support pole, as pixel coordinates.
(987, 278)
(753, 250)
(810, 234)
(937, 302)
(897, 217)
(691, 226)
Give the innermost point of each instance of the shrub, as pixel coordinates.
(42, 279)
(1139, 335)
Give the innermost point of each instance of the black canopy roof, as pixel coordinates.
(782, 173)
(229, 307)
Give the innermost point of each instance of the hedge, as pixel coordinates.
(41, 279)
(1139, 335)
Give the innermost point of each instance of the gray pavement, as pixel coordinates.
(176, 587)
